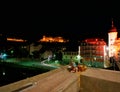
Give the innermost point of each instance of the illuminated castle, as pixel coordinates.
(52, 39)
(113, 42)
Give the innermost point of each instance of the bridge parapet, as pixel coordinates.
(100, 80)
(58, 80)
(61, 80)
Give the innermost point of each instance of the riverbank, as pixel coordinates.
(13, 70)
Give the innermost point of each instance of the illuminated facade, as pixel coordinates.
(93, 50)
(70, 55)
(52, 39)
(117, 49)
(15, 40)
(3, 38)
(114, 43)
(112, 37)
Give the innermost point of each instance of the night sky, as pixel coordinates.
(74, 27)
(69, 27)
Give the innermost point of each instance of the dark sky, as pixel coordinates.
(74, 27)
(70, 27)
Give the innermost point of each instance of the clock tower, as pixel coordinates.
(112, 36)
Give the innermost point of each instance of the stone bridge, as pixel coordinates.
(61, 80)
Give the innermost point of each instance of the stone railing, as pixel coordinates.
(58, 80)
(100, 80)
(61, 80)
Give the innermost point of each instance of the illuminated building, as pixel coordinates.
(33, 48)
(93, 50)
(112, 37)
(52, 39)
(114, 43)
(117, 49)
(3, 38)
(15, 40)
(70, 55)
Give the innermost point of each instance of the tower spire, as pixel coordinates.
(112, 23)
(113, 28)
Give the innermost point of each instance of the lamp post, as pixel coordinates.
(78, 57)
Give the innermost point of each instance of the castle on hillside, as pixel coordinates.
(52, 39)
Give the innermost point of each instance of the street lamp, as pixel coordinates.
(78, 57)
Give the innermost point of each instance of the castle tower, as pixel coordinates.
(112, 36)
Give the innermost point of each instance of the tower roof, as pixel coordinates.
(113, 28)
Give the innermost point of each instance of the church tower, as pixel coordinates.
(112, 36)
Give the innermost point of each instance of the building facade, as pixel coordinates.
(93, 51)
(112, 37)
(70, 56)
(114, 43)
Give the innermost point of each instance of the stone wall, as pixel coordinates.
(59, 80)
(100, 80)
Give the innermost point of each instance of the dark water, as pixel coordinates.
(10, 74)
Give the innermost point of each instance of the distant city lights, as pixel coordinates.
(16, 40)
(3, 55)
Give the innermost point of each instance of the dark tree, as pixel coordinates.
(59, 56)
